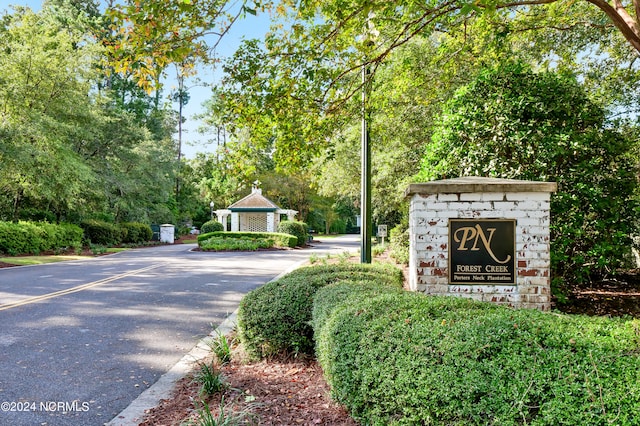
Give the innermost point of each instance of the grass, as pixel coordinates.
(39, 260)
(116, 249)
(42, 260)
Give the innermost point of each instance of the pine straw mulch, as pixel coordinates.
(274, 392)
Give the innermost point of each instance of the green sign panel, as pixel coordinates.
(482, 251)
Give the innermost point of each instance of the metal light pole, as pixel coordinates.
(365, 179)
(211, 205)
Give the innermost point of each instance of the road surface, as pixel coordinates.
(80, 340)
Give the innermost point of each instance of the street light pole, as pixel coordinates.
(211, 205)
(365, 180)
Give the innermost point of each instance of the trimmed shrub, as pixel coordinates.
(100, 232)
(211, 226)
(299, 229)
(275, 318)
(60, 236)
(223, 244)
(34, 238)
(343, 293)
(279, 240)
(135, 232)
(412, 359)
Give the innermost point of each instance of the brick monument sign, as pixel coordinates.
(482, 238)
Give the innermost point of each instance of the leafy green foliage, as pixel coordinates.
(75, 143)
(295, 228)
(210, 378)
(343, 293)
(36, 237)
(274, 318)
(407, 358)
(399, 243)
(221, 347)
(277, 239)
(224, 244)
(135, 232)
(211, 226)
(101, 232)
(514, 123)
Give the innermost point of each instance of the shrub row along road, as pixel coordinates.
(80, 340)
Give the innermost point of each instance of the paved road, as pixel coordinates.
(80, 340)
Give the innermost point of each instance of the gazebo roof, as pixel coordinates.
(254, 202)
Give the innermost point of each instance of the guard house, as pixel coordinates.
(254, 213)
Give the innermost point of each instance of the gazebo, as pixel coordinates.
(254, 213)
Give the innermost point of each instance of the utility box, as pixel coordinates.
(167, 232)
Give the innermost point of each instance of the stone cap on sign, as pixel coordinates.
(479, 184)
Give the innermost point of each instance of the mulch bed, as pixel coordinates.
(276, 392)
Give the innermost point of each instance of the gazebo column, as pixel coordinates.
(222, 216)
(271, 222)
(235, 222)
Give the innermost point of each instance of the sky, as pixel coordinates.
(247, 28)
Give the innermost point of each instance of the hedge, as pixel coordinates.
(135, 232)
(280, 240)
(100, 232)
(406, 358)
(36, 237)
(275, 318)
(292, 227)
(230, 244)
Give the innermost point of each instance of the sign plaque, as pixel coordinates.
(482, 251)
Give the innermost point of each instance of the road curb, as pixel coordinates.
(163, 388)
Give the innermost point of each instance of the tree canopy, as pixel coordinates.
(511, 122)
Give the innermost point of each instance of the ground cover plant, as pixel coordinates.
(223, 244)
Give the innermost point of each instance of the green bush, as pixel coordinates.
(279, 240)
(299, 229)
(343, 293)
(67, 235)
(223, 244)
(135, 232)
(411, 359)
(34, 238)
(211, 226)
(275, 318)
(100, 232)
(399, 243)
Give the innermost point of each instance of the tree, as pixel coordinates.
(42, 109)
(511, 122)
(147, 37)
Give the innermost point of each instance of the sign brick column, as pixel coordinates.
(498, 225)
